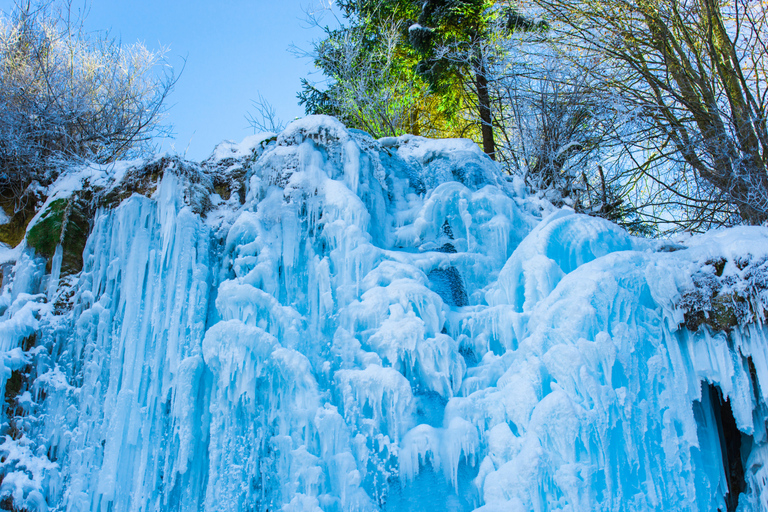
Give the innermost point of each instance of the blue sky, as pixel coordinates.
(234, 50)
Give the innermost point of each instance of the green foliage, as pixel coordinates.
(369, 84)
(458, 44)
(317, 102)
(455, 37)
(382, 79)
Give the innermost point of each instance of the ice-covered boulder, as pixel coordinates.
(319, 321)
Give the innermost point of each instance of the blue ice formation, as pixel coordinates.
(320, 321)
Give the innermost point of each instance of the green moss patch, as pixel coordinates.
(65, 222)
(722, 315)
(45, 235)
(223, 189)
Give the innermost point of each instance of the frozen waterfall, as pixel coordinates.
(320, 321)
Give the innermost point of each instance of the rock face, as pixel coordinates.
(319, 321)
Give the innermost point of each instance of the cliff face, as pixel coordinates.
(320, 321)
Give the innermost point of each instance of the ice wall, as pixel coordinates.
(319, 321)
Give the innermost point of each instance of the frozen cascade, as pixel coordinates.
(320, 321)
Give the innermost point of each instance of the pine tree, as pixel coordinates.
(455, 39)
(400, 66)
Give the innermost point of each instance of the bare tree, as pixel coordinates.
(694, 72)
(558, 132)
(264, 118)
(67, 94)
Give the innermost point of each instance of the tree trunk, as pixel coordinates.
(484, 106)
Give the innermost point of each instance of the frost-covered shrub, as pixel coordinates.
(68, 94)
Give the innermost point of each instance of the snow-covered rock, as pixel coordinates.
(320, 321)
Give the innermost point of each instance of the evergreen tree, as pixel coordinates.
(410, 66)
(456, 40)
(448, 37)
(368, 63)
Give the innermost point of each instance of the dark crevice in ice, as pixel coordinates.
(447, 283)
(732, 442)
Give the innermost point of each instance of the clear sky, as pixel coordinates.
(234, 50)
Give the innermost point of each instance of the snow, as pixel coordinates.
(379, 325)
(245, 148)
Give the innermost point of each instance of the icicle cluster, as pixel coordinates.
(319, 321)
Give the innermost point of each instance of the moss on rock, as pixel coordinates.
(75, 237)
(45, 235)
(65, 222)
(223, 189)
